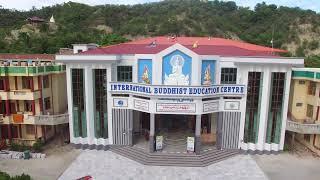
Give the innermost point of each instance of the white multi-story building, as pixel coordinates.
(196, 92)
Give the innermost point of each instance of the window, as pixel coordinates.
(275, 112)
(124, 73)
(312, 88)
(29, 129)
(301, 82)
(26, 82)
(4, 131)
(14, 131)
(2, 107)
(299, 104)
(100, 113)
(45, 81)
(253, 107)
(228, 75)
(309, 111)
(2, 81)
(78, 108)
(27, 106)
(47, 103)
(13, 107)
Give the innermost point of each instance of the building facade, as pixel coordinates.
(32, 98)
(303, 117)
(206, 92)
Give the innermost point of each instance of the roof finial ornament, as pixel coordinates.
(153, 43)
(195, 44)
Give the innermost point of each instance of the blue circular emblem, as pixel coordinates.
(120, 102)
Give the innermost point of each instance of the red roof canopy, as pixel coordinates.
(205, 46)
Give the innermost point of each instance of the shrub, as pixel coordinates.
(24, 147)
(313, 45)
(5, 176)
(37, 146)
(19, 147)
(15, 147)
(21, 177)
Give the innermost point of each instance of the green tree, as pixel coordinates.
(110, 39)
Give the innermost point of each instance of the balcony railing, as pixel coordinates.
(51, 119)
(31, 70)
(22, 94)
(303, 128)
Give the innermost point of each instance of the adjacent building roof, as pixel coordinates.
(27, 57)
(35, 19)
(200, 45)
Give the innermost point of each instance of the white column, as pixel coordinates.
(70, 104)
(110, 71)
(151, 134)
(89, 103)
(198, 134)
(157, 70)
(285, 108)
(135, 72)
(195, 71)
(242, 79)
(264, 108)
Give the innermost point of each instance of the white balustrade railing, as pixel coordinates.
(303, 128)
(51, 119)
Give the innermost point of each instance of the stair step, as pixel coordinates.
(174, 159)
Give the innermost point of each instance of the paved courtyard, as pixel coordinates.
(57, 161)
(108, 165)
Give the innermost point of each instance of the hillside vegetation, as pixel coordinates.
(293, 29)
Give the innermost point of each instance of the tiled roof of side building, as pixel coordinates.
(205, 46)
(27, 57)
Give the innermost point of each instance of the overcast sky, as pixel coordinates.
(27, 4)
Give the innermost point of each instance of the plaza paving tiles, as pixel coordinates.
(108, 165)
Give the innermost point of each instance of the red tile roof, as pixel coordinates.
(206, 46)
(27, 57)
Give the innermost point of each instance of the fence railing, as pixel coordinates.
(51, 119)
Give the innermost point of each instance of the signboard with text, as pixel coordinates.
(211, 106)
(159, 142)
(190, 144)
(141, 105)
(120, 87)
(176, 107)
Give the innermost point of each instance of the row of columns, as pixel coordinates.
(197, 144)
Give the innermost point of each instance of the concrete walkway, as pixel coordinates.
(289, 166)
(108, 165)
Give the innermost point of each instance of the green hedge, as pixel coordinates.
(5, 176)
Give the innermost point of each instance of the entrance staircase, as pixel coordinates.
(206, 158)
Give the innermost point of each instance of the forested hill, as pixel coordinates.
(292, 28)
